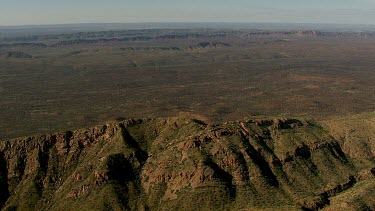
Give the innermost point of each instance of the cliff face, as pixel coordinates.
(176, 163)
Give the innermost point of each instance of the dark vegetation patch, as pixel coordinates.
(208, 45)
(18, 54)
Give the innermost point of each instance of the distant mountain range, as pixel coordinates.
(67, 28)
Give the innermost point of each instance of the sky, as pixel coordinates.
(25, 12)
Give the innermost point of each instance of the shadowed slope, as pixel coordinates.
(177, 163)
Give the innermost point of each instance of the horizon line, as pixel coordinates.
(188, 22)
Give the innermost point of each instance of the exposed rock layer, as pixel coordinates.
(177, 163)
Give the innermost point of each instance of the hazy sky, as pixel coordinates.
(19, 12)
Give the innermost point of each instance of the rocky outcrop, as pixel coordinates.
(274, 41)
(13, 45)
(355, 134)
(131, 39)
(18, 54)
(366, 174)
(175, 163)
(151, 49)
(308, 33)
(204, 45)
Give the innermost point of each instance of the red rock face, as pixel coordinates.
(169, 163)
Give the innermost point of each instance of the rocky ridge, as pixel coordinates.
(180, 163)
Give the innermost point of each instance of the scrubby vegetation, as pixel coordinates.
(76, 80)
(185, 164)
(322, 158)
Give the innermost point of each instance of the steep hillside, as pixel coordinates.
(356, 134)
(181, 163)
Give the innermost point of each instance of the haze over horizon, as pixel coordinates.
(24, 12)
